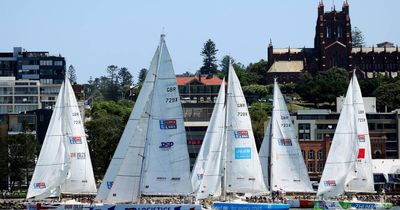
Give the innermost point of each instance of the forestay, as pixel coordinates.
(288, 170)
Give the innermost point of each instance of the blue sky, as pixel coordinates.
(92, 34)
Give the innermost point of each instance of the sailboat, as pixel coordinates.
(282, 162)
(348, 168)
(64, 166)
(152, 157)
(228, 160)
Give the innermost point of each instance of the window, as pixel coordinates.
(311, 167)
(320, 154)
(340, 31)
(304, 131)
(311, 155)
(377, 154)
(46, 62)
(328, 32)
(320, 167)
(58, 63)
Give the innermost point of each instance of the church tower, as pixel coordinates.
(332, 40)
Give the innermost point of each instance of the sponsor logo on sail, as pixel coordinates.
(109, 184)
(242, 153)
(39, 185)
(166, 145)
(285, 142)
(167, 124)
(330, 183)
(361, 153)
(361, 137)
(75, 140)
(241, 134)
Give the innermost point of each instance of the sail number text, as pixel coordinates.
(171, 100)
(241, 114)
(74, 114)
(285, 125)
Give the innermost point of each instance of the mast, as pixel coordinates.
(224, 148)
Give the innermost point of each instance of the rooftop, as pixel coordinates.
(214, 80)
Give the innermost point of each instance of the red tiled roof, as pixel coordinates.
(214, 80)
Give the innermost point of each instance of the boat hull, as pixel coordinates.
(62, 206)
(248, 206)
(301, 203)
(320, 205)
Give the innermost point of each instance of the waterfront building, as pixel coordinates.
(333, 47)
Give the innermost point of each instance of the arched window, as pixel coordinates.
(311, 155)
(377, 154)
(320, 154)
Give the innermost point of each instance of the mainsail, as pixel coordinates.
(288, 170)
(207, 172)
(64, 164)
(156, 161)
(243, 170)
(349, 165)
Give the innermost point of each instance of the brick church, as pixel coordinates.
(333, 48)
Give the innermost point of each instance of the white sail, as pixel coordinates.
(207, 172)
(288, 170)
(124, 181)
(52, 166)
(166, 169)
(264, 154)
(80, 179)
(348, 166)
(64, 162)
(363, 180)
(243, 169)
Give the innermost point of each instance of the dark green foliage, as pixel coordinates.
(369, 85)
(113, 87)
(260, 91)
(258, 71)
(142, 75)
(209, 59)
(259, 115)
(388, 95)
(104, 130)
(357, 37)
(323, 87)
(23, 148)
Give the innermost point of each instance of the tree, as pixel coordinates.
(209, 59)
(323, 87)
(125, 77)
(187, 74)
(113, 85)
(142, 75)
(108, 120)
(258, 71)
(388, 95)
(23, 149)
(72, 74)
(259, 115)
(357, 37)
